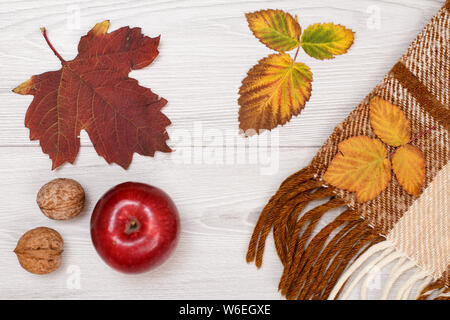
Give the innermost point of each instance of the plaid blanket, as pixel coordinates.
(409, 229)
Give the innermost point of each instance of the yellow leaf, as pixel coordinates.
(273, 91)
(325, 40)
(27, 87)
(389, 122)
(361, 166)
(276, 29)
(100, 28)
(408, 164)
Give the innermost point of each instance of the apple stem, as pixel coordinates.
(132, 226)
(44, 33)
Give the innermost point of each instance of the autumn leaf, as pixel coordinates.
(94, 93)
(389, 122)
(326, 40)
(278, 87)
(360, 166)
(273, 91)
(408, 164)
(276, 29)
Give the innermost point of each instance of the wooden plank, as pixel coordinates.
(206, 50)
(218, 205)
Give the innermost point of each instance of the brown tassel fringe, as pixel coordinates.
(439, 286)
(312, 265)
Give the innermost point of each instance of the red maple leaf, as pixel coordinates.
(94, 93)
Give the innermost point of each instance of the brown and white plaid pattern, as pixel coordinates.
(422, 233)
(420, 85)
(394, 223)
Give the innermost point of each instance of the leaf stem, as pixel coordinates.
(296, 54)
(44, 33)
(412, 139)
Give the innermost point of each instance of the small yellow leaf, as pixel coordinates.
(361, 166)
(276, 29)
(408, 164)
(100, 28)
(27, 87)
(389, 122)
(325, 40)
(273, 91)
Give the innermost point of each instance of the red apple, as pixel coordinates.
(134, 227)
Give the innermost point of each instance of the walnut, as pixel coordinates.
(61, 199)
(39, 250)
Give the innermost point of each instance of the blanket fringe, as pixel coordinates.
(367, 266)
(312, 264)
(437, 288)
(329, 262)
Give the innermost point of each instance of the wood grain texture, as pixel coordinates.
(206, 50)
(218, 204)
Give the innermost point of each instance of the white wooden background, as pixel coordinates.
(206, 49)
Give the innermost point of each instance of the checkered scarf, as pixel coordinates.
(330, 261)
